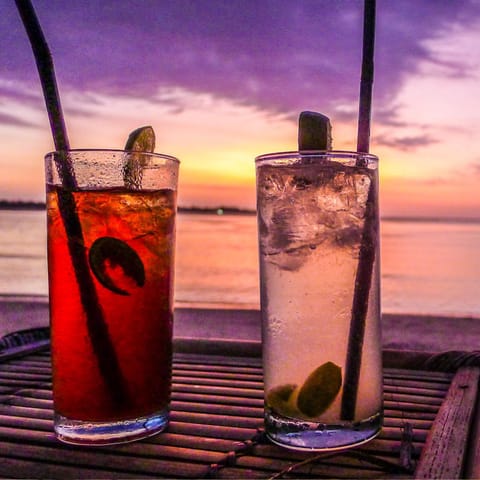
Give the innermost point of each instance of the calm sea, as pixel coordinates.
(427, 267)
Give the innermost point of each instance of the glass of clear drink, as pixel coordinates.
(111, 241)
(320, 298)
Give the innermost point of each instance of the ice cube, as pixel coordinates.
(303, 207)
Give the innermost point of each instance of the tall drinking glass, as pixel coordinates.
(110, 263)
(319, 281)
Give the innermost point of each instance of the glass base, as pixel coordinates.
(312, 436)
(106, 433)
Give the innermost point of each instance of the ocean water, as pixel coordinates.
(428, 267)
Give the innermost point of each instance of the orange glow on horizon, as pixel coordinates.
(217, 141)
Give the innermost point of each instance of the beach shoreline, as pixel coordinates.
(428, 333)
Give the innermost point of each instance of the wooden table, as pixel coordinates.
(431, 424)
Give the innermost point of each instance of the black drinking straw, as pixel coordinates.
(97, 328)
(366, 82)
(366, 260)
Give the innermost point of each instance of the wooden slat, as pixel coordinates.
(401, 397)
(219, 392)
(410, 406)
(380, 445)
(102, 460)
(444, 453)
(214, 419)
(473, 462)
(19, 352)
(224, 400)
(29, 423)
(421, 424)
(425, 375)
(315, 469)
(219, 409)
(398, 413)
(192, 374)
(212, 431)
(403, 382)
(27, 468)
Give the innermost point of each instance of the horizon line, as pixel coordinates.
(225, 210)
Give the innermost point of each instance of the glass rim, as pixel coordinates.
(299, 154)
(164, 156)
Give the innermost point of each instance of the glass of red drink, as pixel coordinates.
(111, 238)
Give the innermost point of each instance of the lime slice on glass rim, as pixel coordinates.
(141, 140)
(314, 131)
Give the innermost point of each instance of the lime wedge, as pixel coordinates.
(314, 132)
(320, 389)
(281, 400)
(141, 140)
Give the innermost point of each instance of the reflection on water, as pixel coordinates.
(23, 244)
(427, 267)
(217, 259)
(432, 267)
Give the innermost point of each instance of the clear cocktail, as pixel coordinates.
(312, 216)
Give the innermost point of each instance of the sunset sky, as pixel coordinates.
(222, 81)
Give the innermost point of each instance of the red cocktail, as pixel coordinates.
(111, 319)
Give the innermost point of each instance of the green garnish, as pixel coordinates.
(320, 389)
(141, 140)
(314, 131)
(281, 400)
(314, 397)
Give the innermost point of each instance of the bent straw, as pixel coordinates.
(366, 260)
(97, 328)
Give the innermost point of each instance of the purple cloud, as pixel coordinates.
(278, 55)
(15, 121)
(405, 143)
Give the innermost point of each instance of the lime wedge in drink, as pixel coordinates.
(320, 389)
(281, 400)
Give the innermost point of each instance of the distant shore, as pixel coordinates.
(222, 210)
(21, 205)
(30, 205)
